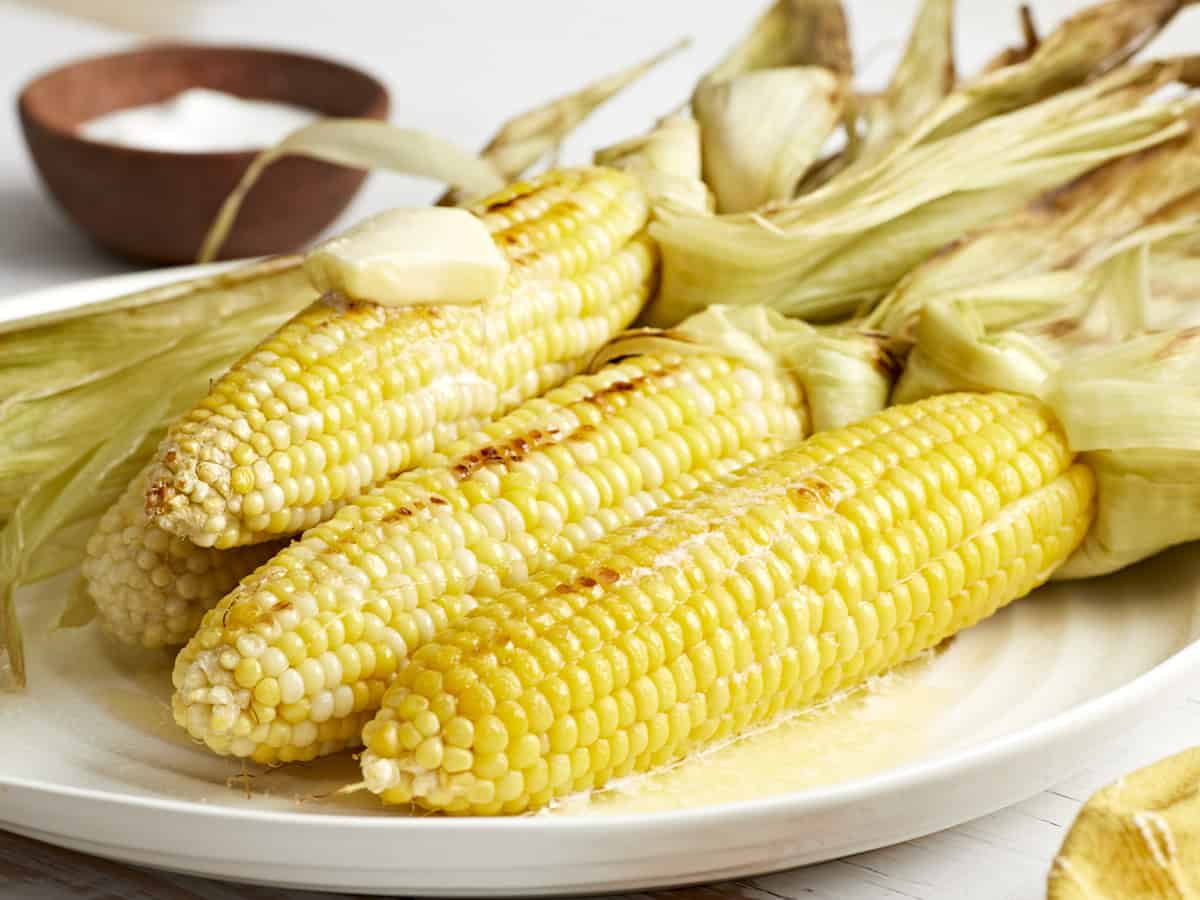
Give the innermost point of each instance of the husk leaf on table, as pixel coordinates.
(1127, 395)
(844, 246)
(87, 397)
(1136, 838)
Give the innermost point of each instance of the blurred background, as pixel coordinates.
(457, 69)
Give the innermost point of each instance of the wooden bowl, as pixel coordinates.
(157, 206)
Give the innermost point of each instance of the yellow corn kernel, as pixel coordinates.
(341, 608)
(150, 587)
(742, 554)
(347, 394)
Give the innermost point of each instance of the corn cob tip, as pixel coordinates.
(150, 587)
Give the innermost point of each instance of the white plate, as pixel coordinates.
(90, 759)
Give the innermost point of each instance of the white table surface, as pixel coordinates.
(458, 69)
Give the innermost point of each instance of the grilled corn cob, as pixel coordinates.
(150, 587)
(295, 661)
(347, 394)
(788, 582)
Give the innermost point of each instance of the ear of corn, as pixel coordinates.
(295, 661)
(347, 394)
(759, 593)
(150, 587)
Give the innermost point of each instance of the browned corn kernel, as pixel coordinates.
(345, 395)
(311, 641)
(762, 592)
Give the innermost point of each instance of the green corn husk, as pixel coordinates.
(847, 244)
(1126, 392)
(87, 396)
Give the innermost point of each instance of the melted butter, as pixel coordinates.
(147, 714)
(884, 723)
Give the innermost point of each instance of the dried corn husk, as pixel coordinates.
(762, 130)
(792, 33)
(847, 244)
(924, 75)
(87, 395)
(1092, 42)
(1011, 56)
(1127, 397)
(362, 144)
(667, 158)
(529, 137)
(1067, 226)
(369, 144)
(846, 374)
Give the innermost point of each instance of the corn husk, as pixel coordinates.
(1068, 226)
(923, 77)
(846, 374)
(370, 144)
(1090, 43)
(844, 246)
(1127, 394)
(792, 33)
(667, 159)
(361, 144)
(762, 130)
(1031, 40)
(528, 138)
(87, 395)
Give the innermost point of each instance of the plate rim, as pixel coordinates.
(905, 776)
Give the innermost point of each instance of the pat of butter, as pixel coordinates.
(405, 257)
